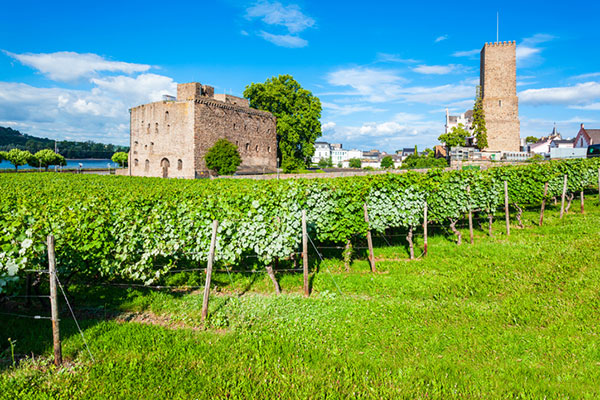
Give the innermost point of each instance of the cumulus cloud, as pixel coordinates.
(580, 94)
(284, 40)
(68, 66)
(328, 126)
(289, 17)
(529, 50)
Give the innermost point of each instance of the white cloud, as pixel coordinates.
(348, 109)
(466, 53)
(441, 38)
(274, 13)
(529, 50)
(436, 69)
(386, 57)
(587, 76)
(69, 66)
(284, 40)
(380, 85)
(133, 91)
(591, 107)
(328, 126)
(580, 94)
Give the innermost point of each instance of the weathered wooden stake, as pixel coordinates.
(599, 184)
(543, 203)
(506, 211)
(54, 302)
(369, 241)
(582, 201)
(564, 193)
(470, 215)
(305, 253)
(271, 274)
(425, 230)
(209, 267)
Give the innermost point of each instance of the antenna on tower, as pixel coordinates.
(497, 26)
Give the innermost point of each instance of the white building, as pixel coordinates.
(354, 153)
(466, 119)
(587, 137)
(322, 151)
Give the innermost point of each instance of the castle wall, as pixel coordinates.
(161, 133)
(498, 81)
(252, 131)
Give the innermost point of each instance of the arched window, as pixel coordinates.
(237, 144)
(257, 148)
(179, 165)
(136, 162)
(268, 149)
(247, 146)
(156, 128)
(147, 165)
(148, 129)
(168, 129)
(499, 103)
(166, 116)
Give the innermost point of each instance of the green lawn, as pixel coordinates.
(515, 317)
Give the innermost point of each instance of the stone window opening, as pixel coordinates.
(268, 149)
(136, 162)
(156, 128)
(179, 165)
(166, 116)
(148, 129)
(168, 129)
(247, 146)
(257, 148)
(237, 144)
(499, 103)
(145, 147)
(147, 165)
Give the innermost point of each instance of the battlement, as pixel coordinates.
(501, 44)
(194, 91)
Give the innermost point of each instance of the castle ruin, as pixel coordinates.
(498, 80)
(169, 138)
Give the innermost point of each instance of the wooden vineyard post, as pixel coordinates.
(305, 254)
(54, 302)
(506, 212)
(470, 215)
(209, 267)
(564, 194)
(369, 241)
(425, 230)
(598, 184)
(543, 204)
(582, 201)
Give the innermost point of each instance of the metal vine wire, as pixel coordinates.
(75, 319)
(322, 261)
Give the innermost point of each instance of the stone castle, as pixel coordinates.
(498, 80)
(169, 138)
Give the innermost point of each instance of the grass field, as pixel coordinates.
(507, 317)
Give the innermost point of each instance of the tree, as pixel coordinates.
(479, 129)
(298, 112)
(45, 158)
(455, 138)
(18, 157)
(223, 157)
(387, 162)
(354, 163)
(3, 155)
(120, 158)
(424, 161)
(531, 139)
(325, 163)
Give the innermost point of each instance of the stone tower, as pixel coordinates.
(498, 79)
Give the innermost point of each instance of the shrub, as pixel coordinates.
(354, 163)
(223, 157)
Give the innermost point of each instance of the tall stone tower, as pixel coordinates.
(498, 77)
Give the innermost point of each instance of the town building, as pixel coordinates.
(169, 138)
(542, 146)
(452, 121)
(322, 152)
(587, 137)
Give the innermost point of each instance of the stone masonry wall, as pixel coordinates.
(498, 78)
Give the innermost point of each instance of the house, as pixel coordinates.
(452, 121)
(371, 155)
(322, 151)
(586, 137)
(542, 146)
(562, 143)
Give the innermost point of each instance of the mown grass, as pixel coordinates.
(507, 317)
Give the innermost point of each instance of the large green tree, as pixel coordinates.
(388, 162)
(45, 158)
(223, 157)
(479, 128)
(18, 157)
(456, 137)
(298, 113)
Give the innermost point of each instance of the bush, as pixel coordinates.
(325, 163)
(387, 162)
(223, 157)
(354, 163)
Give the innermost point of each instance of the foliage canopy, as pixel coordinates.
(223, 157)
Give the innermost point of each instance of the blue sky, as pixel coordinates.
(385, 72)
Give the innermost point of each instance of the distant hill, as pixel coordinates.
(13, 139)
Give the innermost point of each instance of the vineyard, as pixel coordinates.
(137, 230)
